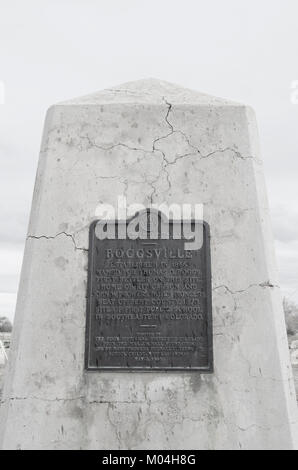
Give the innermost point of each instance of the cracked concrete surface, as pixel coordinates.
(262, 284)
(48, 237)
(153, 142)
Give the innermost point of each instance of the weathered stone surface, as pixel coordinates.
(153, 142)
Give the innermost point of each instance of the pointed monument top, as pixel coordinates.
(150, 91)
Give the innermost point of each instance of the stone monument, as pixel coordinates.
(116, 344)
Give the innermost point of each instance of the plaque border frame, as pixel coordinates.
(209, 369)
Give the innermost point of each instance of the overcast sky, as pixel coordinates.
(52, 50)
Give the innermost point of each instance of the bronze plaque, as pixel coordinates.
(148, 304)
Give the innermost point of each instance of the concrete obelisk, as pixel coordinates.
(153, 142)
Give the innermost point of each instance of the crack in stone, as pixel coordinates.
(196, 151)
(259, 426)
(111, 147)
(49, 237)
(41, 399)
(168, 123)
(227, 149)
(262, 284)
(137, 149)
(167, 115)
(81, 397)
(165, 162)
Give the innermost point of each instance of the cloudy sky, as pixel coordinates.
(52, 50)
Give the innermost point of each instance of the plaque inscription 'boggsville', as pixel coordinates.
(148, 303)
